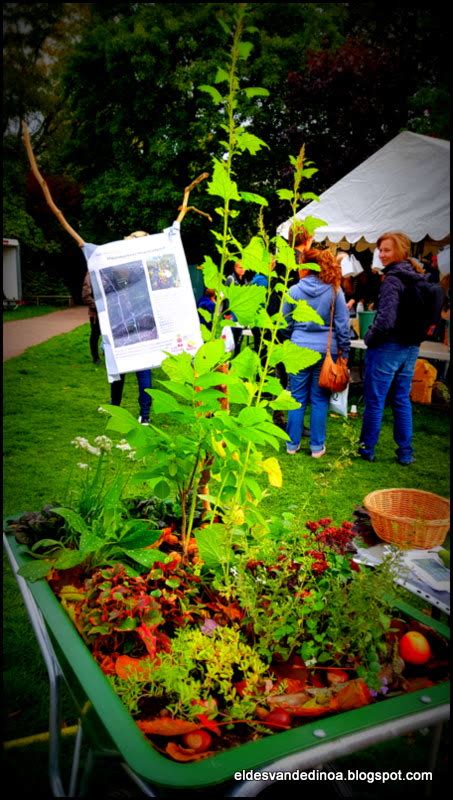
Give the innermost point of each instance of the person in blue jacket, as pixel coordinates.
(407, 307)
(319, 290)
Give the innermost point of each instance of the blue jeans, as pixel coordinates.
(305, 387)
(144, 381)
(388, 372)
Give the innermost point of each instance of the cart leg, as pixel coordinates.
(433, 753)
(75, 762)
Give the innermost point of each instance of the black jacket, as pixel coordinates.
(402, 312)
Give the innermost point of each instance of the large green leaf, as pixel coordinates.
(140, 536)
(256, 91)
(273, 386)
(74, 520)
(68, 559)
(312, 223)
(294, 358)
(255, 256)
(246, 364)
(215, 379)
(164, 403)
(145, 557)
(244, 301)
(209, 356)
(250, 142)
(211, 275)
(284, 402)
(252, 416)
(252, 197)
(121, 420)
(221, 184)
(179, 368)
(245, 48)
(303, 312)
(285, 194)
(285, 253)
(89, 543)
(221, 75)
(182, 390)
(162, 490)
(34, 570)
(237, 393)
(211, 90)
(213, 545)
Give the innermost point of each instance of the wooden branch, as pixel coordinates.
(45, 188)
(192, 208)
(184, 208)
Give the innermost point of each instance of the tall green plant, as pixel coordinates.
(222, 403)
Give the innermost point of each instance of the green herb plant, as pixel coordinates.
(223, 405)
(97, 525)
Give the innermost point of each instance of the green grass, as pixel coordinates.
(26, 312)
(51, 395)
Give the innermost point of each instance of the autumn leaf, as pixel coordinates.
(179, 753)
(137, 668)
(274, 473)
(167, 726)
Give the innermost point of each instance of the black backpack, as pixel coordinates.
(420, 308)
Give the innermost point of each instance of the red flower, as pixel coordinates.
(312, 526)
(324, 521)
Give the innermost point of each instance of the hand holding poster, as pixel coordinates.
(144, 300)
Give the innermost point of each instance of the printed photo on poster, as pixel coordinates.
(163, 272)
(129, 306)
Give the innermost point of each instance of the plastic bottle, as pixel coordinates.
(360, 307)
(353, 412)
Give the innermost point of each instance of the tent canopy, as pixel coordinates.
(404, 186)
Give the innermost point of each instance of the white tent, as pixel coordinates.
(404, 186)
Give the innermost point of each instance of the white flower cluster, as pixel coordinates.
(80, 443)
(104, 443)
(123, 445)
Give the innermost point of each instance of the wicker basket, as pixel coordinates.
(409, 518)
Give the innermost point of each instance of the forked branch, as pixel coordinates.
(184, 208)
(45, 188)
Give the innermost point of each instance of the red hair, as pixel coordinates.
(330, 268)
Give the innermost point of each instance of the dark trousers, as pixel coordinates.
(144, 400)
(95, 334)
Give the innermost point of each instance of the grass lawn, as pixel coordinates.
(51, 395)
(26, 312)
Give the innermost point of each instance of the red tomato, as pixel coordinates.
(199, 741)
(414, 648)
(278, 718)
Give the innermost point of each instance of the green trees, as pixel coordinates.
(112, 92)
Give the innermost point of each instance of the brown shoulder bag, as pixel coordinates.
(334, 375)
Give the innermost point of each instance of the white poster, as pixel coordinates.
(144, 299)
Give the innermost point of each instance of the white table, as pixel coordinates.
(431, 350)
